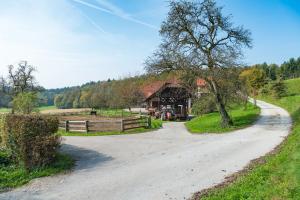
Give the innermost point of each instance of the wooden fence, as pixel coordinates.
(105, 125)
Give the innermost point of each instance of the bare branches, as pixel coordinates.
(199, 32)
(22, 79)
(197, 37)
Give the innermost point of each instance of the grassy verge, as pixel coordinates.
(4, 110)
(12, 176)
(276, 176)
(210, 123)
(155, 124)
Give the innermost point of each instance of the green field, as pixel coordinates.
(211, 123)
(43, 108)
(113, 113)
(46, 108)
(4, 110)
(155, 124)
(279, 177)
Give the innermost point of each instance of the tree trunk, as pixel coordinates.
(226, 120)
(246, 102)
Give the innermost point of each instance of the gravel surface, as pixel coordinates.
(169, 163)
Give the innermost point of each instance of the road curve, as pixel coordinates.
(169, 163)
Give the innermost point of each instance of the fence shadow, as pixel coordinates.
(85, 158)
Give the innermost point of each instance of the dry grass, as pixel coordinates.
(65, 111)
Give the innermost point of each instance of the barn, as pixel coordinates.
(170, 99)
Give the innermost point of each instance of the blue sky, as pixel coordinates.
(75, 41)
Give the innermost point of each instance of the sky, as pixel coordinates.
(72, 42)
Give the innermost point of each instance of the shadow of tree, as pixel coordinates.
(85, 158)
(245, 120)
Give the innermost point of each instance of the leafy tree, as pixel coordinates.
(85, 99)
(5, 98)
(197, 36)
(127, 94)
(255, 79)
(58, 101)
(278, 89)
(290, 69)
(204, 105)
(25, 102)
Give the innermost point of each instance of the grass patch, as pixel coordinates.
(155, 124)
(113, 113)
(12, 176)
(211, 123)
(279, 175)
(5, 110)
(43, 108)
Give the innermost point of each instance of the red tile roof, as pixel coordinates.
(200, 82)
(152, 88)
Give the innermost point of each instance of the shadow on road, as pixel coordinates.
(85, 158)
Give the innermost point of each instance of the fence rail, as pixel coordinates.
(105, 125)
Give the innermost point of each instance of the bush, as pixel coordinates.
(204, 105)
(265, 90)
(25, 103)
(4, 158)
(278, 89)
(30, 139)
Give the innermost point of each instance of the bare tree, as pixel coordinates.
(196, 36)
(22, 79)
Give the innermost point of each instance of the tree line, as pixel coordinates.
(288, 70)
(122, 93)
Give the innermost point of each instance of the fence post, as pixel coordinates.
(87, 126)
(67, 126)
(149, 121)
(122, 125)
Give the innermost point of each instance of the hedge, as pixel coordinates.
(30, 139)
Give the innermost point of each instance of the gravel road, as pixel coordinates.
(169, 163)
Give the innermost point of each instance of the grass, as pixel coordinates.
(110, 113)
(155, 124)
(211, 123)
(113, 113)
(278, 177)
(12, 176)
(43, 108)
(4, 110)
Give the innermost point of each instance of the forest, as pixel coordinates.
(126, 92)
(106, 94)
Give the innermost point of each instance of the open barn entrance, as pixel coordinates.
(170, 101)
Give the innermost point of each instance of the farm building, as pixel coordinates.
(170, 97)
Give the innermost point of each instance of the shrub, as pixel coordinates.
(31, 139)
(204, 105)
(265, 90)
(4, 157)
(278, 89)
(25, 103)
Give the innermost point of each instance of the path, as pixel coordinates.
(169, 163)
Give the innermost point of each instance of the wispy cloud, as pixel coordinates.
(97, 26)
(112, 9)
(60, 43)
